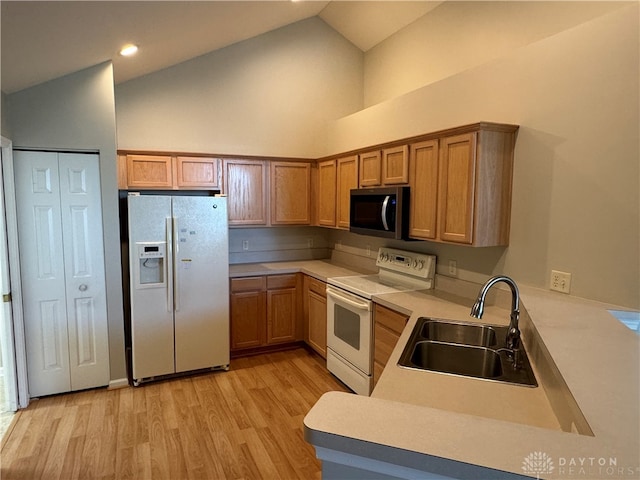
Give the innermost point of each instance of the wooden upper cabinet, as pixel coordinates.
(387, 167)
(326, 193)
(290, 193)
(168, 172)
(198, 172)
(457, 186)
(423, 180)
(370, 169)
(470, 203)
(245, 183)
(149, 171)
(347, 173)
(395, 165)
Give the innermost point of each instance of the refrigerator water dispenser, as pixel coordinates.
(151, 264)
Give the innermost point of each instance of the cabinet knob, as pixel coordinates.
(83, 287)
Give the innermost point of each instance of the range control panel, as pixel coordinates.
(409, 263)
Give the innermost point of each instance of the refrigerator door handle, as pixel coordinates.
(174, 262)
(169, 262)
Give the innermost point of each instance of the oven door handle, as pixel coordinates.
(354, 303)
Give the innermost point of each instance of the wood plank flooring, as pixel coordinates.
(242, 424)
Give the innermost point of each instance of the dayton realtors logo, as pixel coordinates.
(537, 463)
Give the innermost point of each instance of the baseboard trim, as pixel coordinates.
(118, 383)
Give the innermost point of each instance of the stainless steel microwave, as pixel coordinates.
(380, 212)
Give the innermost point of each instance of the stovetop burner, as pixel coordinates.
(400, 271)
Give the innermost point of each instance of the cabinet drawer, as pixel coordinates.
(317, 286)
(281, 281)
(394, 321)
(247, 284)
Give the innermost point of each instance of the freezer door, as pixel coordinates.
(151, 305)
(201, 282)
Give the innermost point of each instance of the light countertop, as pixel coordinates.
(320, 269)
(587, 364)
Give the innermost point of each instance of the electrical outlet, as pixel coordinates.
(368, 250)
(310, 242)
(453, 268)
(245, 244)
(560, 281)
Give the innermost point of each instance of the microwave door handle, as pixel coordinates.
(385, 205)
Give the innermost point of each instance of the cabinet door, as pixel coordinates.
(315, 314)
(290, 193)
(456, 188)
(282, 314)
(248, 319)
(347, 179)
(388, 326)
(423, 179)
(327, 193)
(198, 172)
(245, 183)
(395, 165)
(317, 323)
(149, 171)
(370, 169)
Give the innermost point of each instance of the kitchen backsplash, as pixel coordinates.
(277, 244)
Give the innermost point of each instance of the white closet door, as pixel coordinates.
(84, 270)
(62, 266)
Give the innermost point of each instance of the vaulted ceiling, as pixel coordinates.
(45, 40)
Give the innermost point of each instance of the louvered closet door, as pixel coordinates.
(62, 266)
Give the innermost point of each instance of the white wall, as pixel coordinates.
(460, 35)
(576, 205)
(78, 112)
(271, 95)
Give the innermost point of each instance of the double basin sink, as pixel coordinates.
(465, 349)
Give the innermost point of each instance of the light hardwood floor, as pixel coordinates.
(244, 423)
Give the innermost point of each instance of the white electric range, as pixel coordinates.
(350, 316)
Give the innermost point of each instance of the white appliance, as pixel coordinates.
(179, 268)
(350, 311)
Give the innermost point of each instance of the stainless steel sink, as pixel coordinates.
(459, 359)
(464, 349)
(458, 332)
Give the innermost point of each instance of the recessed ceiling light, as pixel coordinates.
(128, 50)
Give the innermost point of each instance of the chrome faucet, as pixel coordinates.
(513, 333)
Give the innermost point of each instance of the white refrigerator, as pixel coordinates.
(179, 284)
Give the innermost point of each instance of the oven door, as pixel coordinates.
(349, 328)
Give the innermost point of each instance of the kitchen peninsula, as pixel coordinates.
(582, 419)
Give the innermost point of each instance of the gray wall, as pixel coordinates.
(78, 112)
(269, 95)
(5, 131)
(576, 205)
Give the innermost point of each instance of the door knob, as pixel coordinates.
(83, 287)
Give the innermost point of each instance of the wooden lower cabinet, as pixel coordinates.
(282, 309)
(248, 312)
(265, 311)
(315, 314)
(388, 325)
